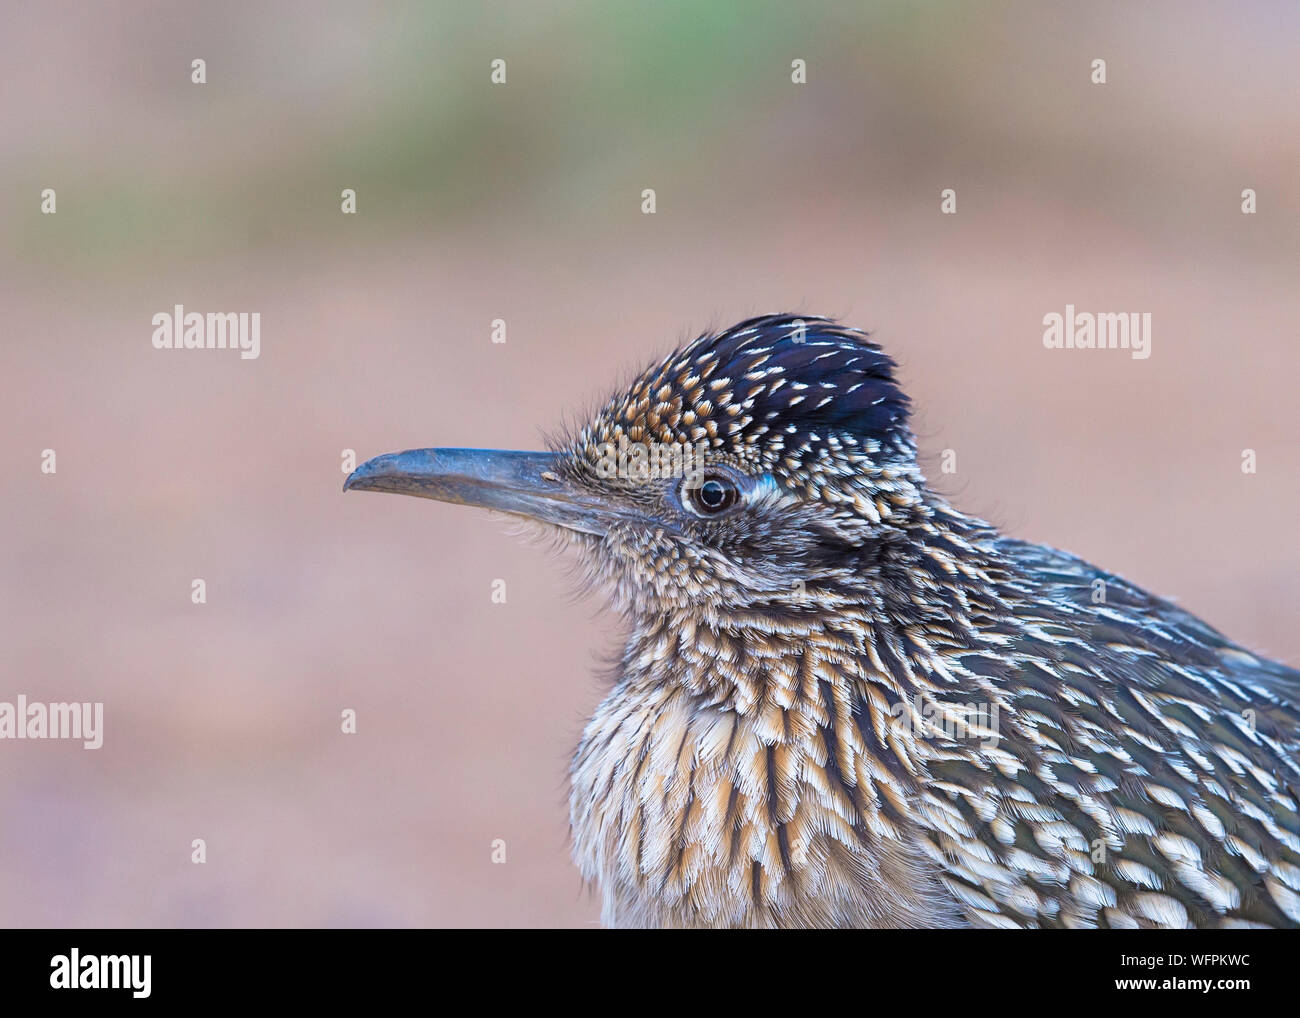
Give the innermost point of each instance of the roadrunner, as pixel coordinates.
(843, 702)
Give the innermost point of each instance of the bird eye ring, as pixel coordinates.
(710, 495)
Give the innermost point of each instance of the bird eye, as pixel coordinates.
(710, 495)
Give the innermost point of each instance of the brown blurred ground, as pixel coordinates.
(522, 203)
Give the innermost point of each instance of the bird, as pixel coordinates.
(843, 702)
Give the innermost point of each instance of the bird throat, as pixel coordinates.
(770, 758)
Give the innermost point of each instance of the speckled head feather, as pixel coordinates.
(805, 415)
(844, 702)
(811, 402)
(780, 393)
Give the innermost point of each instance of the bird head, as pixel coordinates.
(752, 468)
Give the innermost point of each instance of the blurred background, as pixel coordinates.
(522, 202)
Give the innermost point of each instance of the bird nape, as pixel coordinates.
(843, 702)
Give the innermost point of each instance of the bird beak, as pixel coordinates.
(521, 483)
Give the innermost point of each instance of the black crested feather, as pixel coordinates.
(850, 384)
